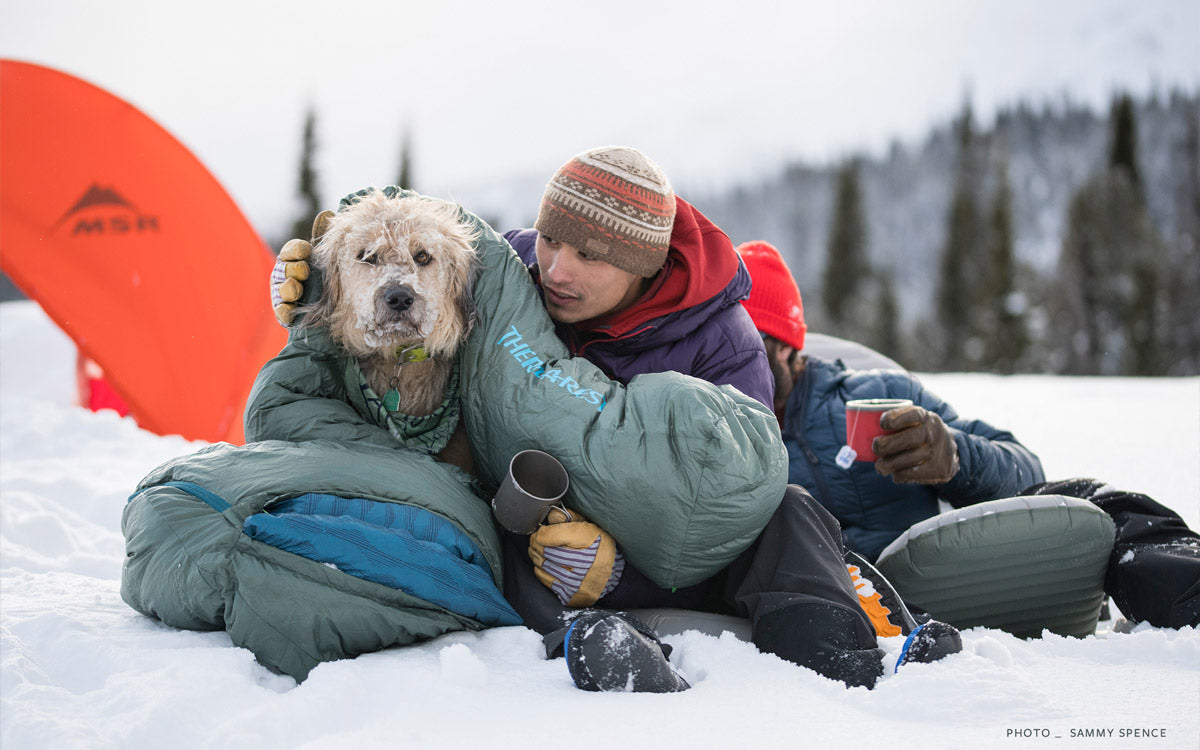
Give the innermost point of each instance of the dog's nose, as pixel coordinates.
(399, 298)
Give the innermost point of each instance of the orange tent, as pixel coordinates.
(135, 251)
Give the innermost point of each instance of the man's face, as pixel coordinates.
(786, 365)
(580, 287)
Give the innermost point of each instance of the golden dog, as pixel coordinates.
(398, 274)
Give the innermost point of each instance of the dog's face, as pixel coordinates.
(398, 272)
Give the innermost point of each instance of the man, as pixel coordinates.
(637, 281)
(935, 454)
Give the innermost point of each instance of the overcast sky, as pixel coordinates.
(488, 90)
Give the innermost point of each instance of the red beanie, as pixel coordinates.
(774, 303)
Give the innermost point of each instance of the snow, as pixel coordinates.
(81, 669)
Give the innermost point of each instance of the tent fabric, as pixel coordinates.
(94, 391)
(135, 250)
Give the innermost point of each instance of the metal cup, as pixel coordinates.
(536, 481)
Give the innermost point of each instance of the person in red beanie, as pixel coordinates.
(778, 313)
(936, 455)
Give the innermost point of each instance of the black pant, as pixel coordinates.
(791, 583)
(1154, 572)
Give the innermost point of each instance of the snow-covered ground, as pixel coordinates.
(80, 669)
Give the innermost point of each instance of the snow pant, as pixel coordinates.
(1154, 573)
(791, 583)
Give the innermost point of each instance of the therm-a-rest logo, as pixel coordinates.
(102, 211)
(530, 362)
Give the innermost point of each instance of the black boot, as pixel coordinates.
(827, 639)
(930, 642)
(1154, 573)
(614, 652)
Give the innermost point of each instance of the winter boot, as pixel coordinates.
(614, 652)
(879, 599)
(1154, 572)
(930, 642)
(826, 638)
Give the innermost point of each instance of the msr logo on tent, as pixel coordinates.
(103, 211)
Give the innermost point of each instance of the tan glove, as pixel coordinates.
(291, 271)
(922, 451)
(575, 558)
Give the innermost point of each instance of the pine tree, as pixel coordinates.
(405, 180)
(960, 268)
(846, 266)
(1080, 316)
(1122, 155)
(1002, 306)
(1111, 313)
(1145, 309)
(307, 189)
(886, 336)
(1183, 311)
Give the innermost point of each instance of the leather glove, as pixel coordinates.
(575, 558)
(291, 271)
(922, 451)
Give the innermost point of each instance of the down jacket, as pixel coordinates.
(325, 537)
(690, 320)
(872, 509)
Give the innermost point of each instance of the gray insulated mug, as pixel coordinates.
(536, 481)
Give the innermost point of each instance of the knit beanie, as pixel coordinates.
(614, 204)
(774, 303)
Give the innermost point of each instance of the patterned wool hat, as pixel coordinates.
(774, 303)
(614, 204)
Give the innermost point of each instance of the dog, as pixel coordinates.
(398, 277)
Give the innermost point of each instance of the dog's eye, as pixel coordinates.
(364, 257)
(422, 257)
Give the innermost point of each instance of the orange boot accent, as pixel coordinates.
(871, 603)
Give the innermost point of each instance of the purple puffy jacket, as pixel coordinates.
(690, 321)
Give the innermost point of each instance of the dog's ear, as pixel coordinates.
(459, 311)
(466, 301)
(469, 274)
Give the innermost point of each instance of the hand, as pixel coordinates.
(291, 271)
(921, 451)
(575, 558)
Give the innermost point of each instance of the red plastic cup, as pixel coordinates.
(862, 423)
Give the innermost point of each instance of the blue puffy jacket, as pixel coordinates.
(872, 509)
(690, 321)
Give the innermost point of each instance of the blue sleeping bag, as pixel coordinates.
(400, 546)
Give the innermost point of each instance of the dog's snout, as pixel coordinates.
(399, 298)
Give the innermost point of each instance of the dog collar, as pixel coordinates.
(414, 353)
